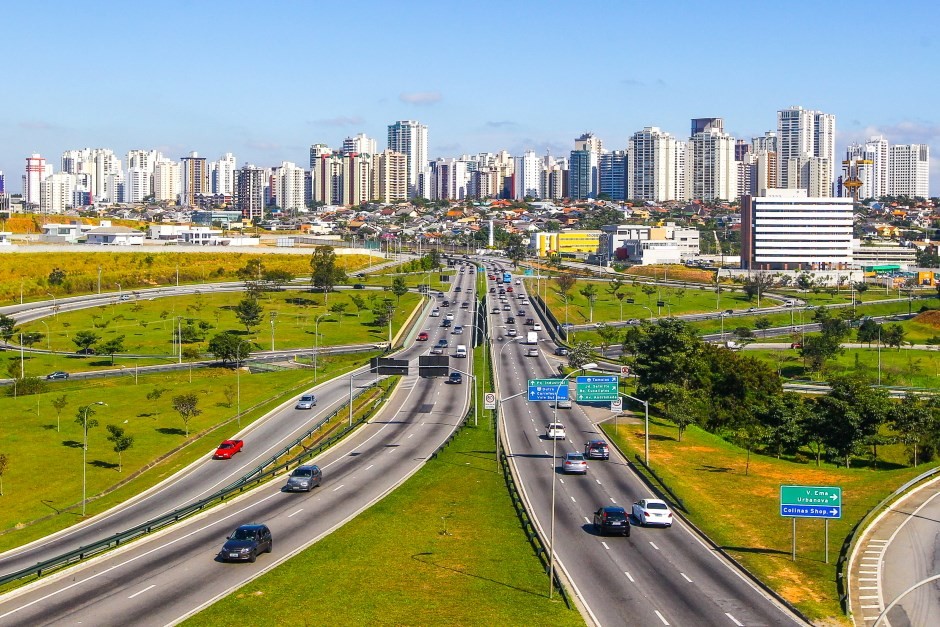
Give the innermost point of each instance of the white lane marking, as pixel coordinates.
(734, 620)
(871, 607)
(869, 596)
(142, 591)
(686, 577)
(561, 480)
(161, 549)
(613, 500)
(410, 435)
(605, 545)
(598, 481)
(369, 466)
(868, 579)
(665, 622)
(653, 544)
(295, 513)
(629, 576)
(338, 487)
(877, 542)
(572, 500)
(878, 552)
(587, 520)
(860, 588)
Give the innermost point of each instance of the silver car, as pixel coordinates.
(307, 401)
(304, 479)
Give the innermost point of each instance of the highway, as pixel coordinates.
(162, 578)
(656, 576)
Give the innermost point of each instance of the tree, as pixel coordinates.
(762, 324)
(784, 417)
(668, 352)
(7, 324)
(589, 291)
(893, 335)
(680, 405)
(186, 405)
(230, 393)
(338, 308)
(112, 346)
(249, 312)
(868, 331)
(56, 277)
(277, 279)
(818, 349)
(516, 251)
(358, 302)
(579, 355)
(914, 418)
(804, 281)
(59, 403)
(649, 290)
(608, 336)
(399, 287)
(85, 341)
(757, 284)
(228, 347)
(852, 411)
(565, 283)
(32, 338)
(324, 273)
(4, 460)
(121, 442)
(85, 418)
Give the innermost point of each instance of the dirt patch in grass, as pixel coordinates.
(930, 318)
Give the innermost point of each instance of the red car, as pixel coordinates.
(422, 337)
(509, 289)
(228, 448)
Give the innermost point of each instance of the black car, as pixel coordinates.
(58, 374)
(510, 320)
(561, 351)
(457, 289)
(359, 286)
(612, 519)
(455, 377)
(246, 543)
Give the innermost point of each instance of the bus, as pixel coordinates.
(507, 278)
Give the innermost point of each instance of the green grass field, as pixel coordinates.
(148, 325)
(35, 438)
(740, 512)
(395, 565)
(908, 368)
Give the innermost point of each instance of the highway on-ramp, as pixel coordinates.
(159, 579)
(656, 576)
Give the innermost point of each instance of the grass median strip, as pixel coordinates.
(444, 548)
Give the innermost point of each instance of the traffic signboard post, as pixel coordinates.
(616, 405)
(489, 400)
(548, 390)
(598, 389)
(807, 501)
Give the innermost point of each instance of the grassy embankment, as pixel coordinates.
(34, 434)
(740, 512)
(444, 548)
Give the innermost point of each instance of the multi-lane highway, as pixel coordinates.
(654, 577)
(159, 579)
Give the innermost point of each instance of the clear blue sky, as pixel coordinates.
(265, 80)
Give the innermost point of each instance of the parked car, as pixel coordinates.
(652, 512)
(304, 478)
(228, 448)
(58, 374)
(455, 377)
(574, 463)
(612, 519)
(596, 449)
(423, 336)
(246, 543)
(307, 401)
(555, 431)
(561, 351)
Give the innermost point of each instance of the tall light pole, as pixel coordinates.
(55, 309)
(476, 387)
(119, 291)
(646, 429)
(351, 377)
(273, 318)
(551, 542)
(99, 280)
(179, 337)
(238, 382)
(85, 452)
(47, 334)
(316, 342)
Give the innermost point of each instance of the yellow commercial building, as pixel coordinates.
(566, 242)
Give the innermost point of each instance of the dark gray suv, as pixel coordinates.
(304, 478)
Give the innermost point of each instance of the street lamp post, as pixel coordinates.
(55, 309)
(476, 387)
(238, 383)
(119, 291)
(646, 429)
(551, 542)
(48, 348)
(85, 452)
(351, 377)
(273, 318)
(316, 342)
(99, 280)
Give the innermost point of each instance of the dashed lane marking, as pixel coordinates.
(605, 545)
(295, 513)
(661, 617)
(653, 544)
(734, 620)
(686, 577)
(630, 577)
(142, 591)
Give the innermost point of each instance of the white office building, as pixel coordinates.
(360, 144)
(910, 170)
(645, 244)
(528, 176)
(713, 170)
(652, 163)
(411, 139)
(874, 151)
(57, 192)
(222, 175)
(787, 230)
(289, 187)
(802, 137)
(166, 181)
(36, 172)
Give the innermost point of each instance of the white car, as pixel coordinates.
(518, 282)
(449, 316)
(435, 313)
(307, 401)
(652, 512)
(574, 463)
(536, 327)
(556, 431)
(511, 332)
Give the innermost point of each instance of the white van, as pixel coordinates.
(461, 351)
(532, 337)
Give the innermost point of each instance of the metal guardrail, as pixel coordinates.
(851, 540)
(268, 468)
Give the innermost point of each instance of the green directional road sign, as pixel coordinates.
(599, 389)
(548, 390)
(806, 501)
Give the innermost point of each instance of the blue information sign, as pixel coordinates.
(546, 390)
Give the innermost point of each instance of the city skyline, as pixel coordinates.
(145, 100)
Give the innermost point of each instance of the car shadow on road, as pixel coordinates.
(589, 529)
